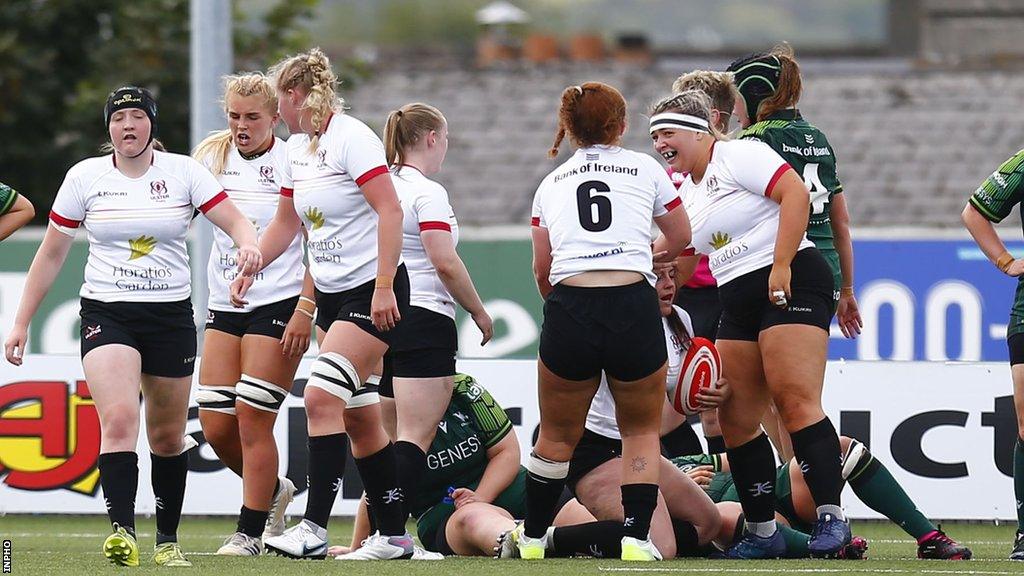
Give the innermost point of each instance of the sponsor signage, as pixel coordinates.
(936, 440)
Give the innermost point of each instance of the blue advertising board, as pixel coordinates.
(928, 300)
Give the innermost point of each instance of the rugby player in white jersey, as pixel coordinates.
(591, 226)
(423, 366)
(685, 519)
(749, 216)
(336, 183)
(137, 326)
(250, 355)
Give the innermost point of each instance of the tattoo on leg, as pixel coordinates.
(639, 464)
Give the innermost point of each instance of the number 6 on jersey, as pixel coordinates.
(595, 210)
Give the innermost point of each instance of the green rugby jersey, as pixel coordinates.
(8, 196)
(471, 425)
(994, 200)
(807, 150)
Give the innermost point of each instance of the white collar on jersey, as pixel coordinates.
(676, 121)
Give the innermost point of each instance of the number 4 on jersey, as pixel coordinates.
(819, 193)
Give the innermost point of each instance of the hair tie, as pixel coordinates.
(579, 90)
(398, 113)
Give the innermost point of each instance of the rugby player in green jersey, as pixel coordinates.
(991, 203)
(474, 489)
(15, 210)
(870, 480)
(770, 86)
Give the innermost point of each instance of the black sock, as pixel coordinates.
(686, 539)
(371, 515)
(817, 452)
(327, 455)
(682, 441)
(602, 539)
(119, 476)
(638, 503)
(380, 480)
(168, 477)
(753, 471)
(252, 522)
(412, 465)
(716, 444)
(542, 494)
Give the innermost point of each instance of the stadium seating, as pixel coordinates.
(911, 144)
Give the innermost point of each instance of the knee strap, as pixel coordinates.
(260, 394)
(543, 469)
(334, 374)
(856, 457)
(217, 399)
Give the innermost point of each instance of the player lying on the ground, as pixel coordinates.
(870, 480)
(474, 487)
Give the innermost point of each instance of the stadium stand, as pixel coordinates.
(912, 142)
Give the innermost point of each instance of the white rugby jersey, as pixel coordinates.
(340, 224)
(733, 218)
(137, 226)
(601, 416)
(254, 186)
(425, 207)
(598, 208)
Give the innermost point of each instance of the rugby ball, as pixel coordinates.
(701, 368)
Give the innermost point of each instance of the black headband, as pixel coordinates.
(756, 77)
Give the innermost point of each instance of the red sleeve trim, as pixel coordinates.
(62, 221)
(673, 204)
(287, 192)
(689, 252)
(371, 174)
(535, 221)
(435, 225)
(209, 204)
(775, 178)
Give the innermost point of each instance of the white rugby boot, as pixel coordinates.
(380, 547)
(304, 540)
(241, 544)
(278, 506)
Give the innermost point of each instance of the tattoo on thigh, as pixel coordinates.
(639, 464)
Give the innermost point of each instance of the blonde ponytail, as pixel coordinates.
(213, 151)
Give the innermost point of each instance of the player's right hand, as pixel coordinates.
(702, 475)
(239, 287)
(485, 324)
(14, 346)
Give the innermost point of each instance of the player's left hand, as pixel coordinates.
(463, 496)
(779, 293)
(250, 260)
(848, 316)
